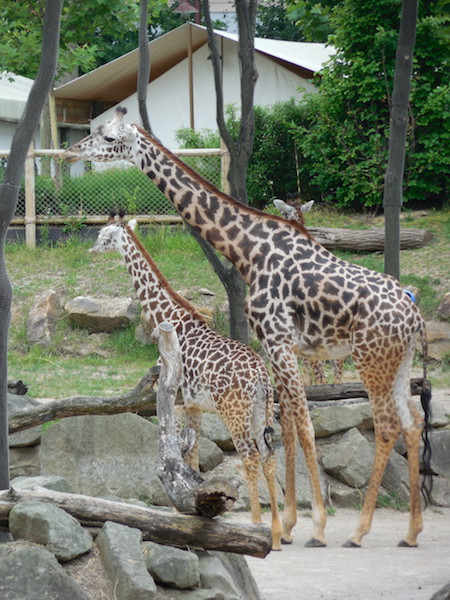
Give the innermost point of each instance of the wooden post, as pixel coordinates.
(30, 200)
(225, 167)
(186, 488)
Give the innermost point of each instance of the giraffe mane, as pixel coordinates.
(177, 297)
(212, 188)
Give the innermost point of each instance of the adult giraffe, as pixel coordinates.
(299, 295)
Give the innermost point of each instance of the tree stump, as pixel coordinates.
(186, 488)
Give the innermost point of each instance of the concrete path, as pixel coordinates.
(379, 570)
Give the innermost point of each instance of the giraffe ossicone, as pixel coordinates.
(299, 295)
(217, 373)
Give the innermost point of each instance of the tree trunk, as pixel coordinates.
(144, 66)
(367, 240)
(186, 488)
(393, 183)
(9, 191)
(241, 149)
(162, 527)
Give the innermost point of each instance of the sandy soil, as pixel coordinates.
(379, 570)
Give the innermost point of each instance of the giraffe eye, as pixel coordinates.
(109, 139)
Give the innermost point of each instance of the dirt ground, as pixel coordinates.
(379, 570)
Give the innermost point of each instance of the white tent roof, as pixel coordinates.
(118, 79)
(14, 90)
(311, 56)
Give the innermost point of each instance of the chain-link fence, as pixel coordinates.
(56, 193)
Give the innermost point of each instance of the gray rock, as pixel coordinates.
(237, 566)
(438, 335)
(209, 454)
(302, 485)
(332, 419)
(215, 430)
(350, 460)
(171, 566)
(444, 307)
(33, 573)
(24, 461)
(42, 317)
(27, 437)
(50, 526)
(102, 314)
(442, 594)
(50, 482)
(344, 496)
(112, 455)
(440, 493)
(396, 477)
(215, 576)
(440, 452)
(120, 549)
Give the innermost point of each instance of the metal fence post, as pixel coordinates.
(30, 200)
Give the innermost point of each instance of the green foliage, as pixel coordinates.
(344, 136)
(272, 22)
(273, 169)
(93, 32)
(311, 18)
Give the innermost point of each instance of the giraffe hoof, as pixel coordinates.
(287, 539)
(351, 544)
(315, 543)
(405, 544)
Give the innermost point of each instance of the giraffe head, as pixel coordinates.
(110, 236)
(110, 141)
(292, 211)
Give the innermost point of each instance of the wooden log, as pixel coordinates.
(345, 391)
(162, 527)
(186, 488)
(367, 240)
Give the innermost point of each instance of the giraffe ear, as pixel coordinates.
(132, 224)
(307, 206)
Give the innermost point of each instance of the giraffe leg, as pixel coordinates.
(286, 372)
(193, 418)
(412, 440)
(338, 368)
(269, 473)
(318, 369)
(289, 437)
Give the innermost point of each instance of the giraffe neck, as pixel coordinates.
(158, 300)
(237, 231)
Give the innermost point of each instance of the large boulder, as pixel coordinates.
(102, 314)
(113, 455)
(50, 526)
(33, 573)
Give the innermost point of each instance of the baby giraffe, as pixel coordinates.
(218, 373)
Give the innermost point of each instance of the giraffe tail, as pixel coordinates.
(425, 400)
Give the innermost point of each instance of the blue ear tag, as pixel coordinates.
(411, 295)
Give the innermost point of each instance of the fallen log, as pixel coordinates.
(367, 240)
(345, 391)
(162, 527)
(142, 399)
(186, 488)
